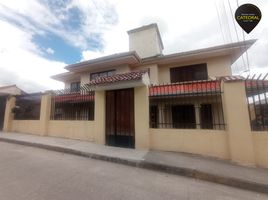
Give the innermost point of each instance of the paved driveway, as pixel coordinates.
(28, 173)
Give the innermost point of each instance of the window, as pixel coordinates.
(93, 76)
(153, 116)
(27, 107)
(206, 117)
(75, 87)
(189, 73)
(183, 116)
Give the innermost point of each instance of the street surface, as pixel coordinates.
(28, 173)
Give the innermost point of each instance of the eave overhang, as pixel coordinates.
(234, 50)
(126, 58)
(66, 76)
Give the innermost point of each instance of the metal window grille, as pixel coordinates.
(27, 107)
(188, 105)
(257, 93)
(69, 105)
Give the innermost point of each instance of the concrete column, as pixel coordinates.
(197, 115)
(9, 116)
(141, 109)
(238, 123)
(45, 113)
(161, 116)
(99, 118)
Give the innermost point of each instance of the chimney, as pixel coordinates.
(146, 41)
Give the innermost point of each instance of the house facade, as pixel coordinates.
(143, 99)
(145, 53)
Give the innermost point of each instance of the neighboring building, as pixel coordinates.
(5, 91)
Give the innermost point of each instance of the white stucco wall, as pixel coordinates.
(146, 43)
(219, 66)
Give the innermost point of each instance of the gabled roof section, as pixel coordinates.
(11, 90)
(125, 58)
(130, 76)
(234, 50)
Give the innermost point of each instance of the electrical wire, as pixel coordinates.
(237, 37)
(218, 15)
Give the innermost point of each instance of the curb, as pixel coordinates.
(229, 181)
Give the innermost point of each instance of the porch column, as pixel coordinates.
(161, 116)
(99, 118)
(141, 109)
(238, 123)
(45, 113)
(9, 116)
(197, 115)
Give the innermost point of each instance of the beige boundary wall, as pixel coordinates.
(236, 143)
(81, 130)
(205, 142)
(260, 140)
(27, 126)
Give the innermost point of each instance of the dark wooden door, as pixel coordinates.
(2, 111)
(120, 118)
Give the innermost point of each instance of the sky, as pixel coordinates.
(40, 37)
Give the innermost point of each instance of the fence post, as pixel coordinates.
(9, 116)
(141, 109)
(238, 123)
(45, 113)
(99, 134)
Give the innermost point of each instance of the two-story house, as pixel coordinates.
(145, 53)
(183, 102)
(145, 64)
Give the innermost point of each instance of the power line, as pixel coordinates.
(231, 11)
(227, 22)
(243, 34)
(224, 41)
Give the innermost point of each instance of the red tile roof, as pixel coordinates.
(73, 98)
(130, 76)
(207, 86)
(231, 78)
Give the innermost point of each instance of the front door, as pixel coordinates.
(120, 118)
(2, 111)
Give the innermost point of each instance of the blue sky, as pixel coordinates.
(55, 48)
(40, 37)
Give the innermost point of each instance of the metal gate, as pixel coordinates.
(120, 118)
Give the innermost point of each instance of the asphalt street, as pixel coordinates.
(28, 173)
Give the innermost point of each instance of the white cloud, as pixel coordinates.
(87, 55)
(183, 25)
(187, 26)
(21, 62)
(50, 51)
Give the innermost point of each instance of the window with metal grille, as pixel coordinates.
(27, 107)
(183, 116)
(75, 86)
(93, 76)
(191, 105)
(206, 118)
(66, 105)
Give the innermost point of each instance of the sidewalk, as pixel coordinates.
(203, 168)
